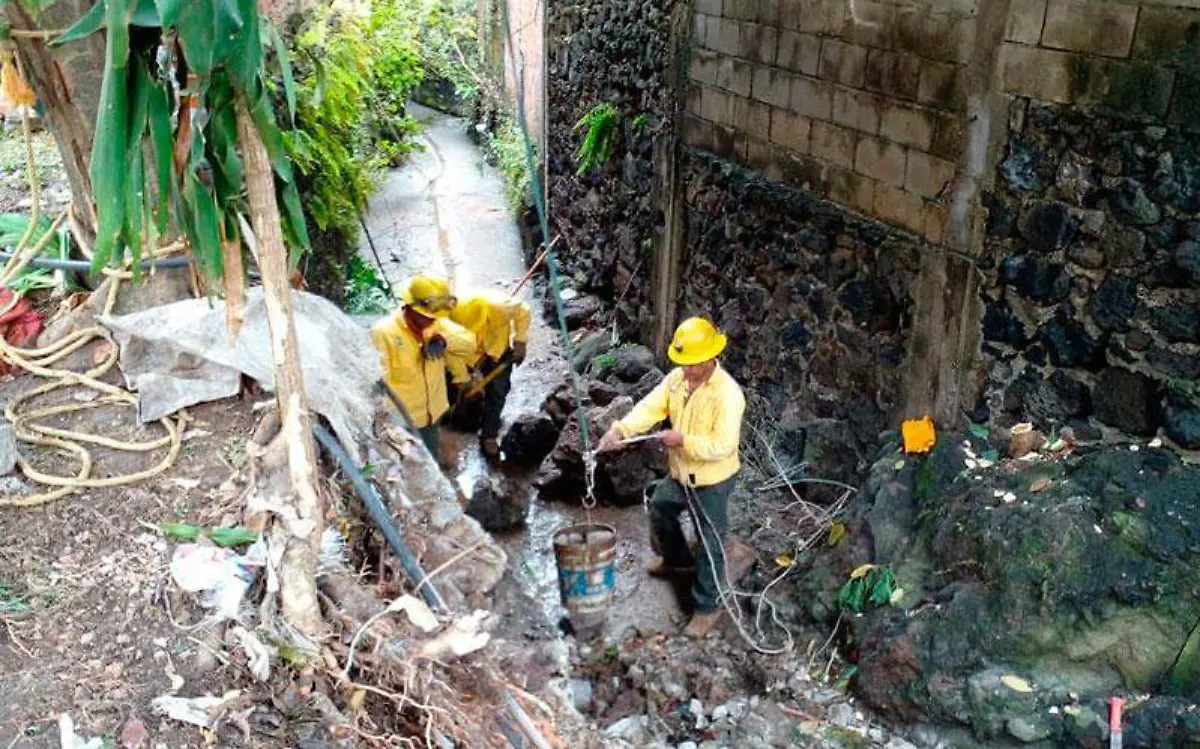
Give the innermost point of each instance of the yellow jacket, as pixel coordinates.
(505, 320)
(420, 383)
(710, 421)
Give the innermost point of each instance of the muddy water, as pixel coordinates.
(444, 212)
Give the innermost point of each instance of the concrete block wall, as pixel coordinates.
(859, 102)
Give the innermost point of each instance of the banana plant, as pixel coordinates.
(175, 73)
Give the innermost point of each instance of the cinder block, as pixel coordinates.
(734, 75)
(700, 29)
(1037, 73)
(945, 36)
(936, 219)
(704, 66)
(772, 86)
(949, 136)
(754, 117)
(790, 130)
(1025, 20)
(881, 160)
(1137, 89)
(928, 176)
(1185, 104)
(863, 199)
(845, 187)
(833, 144)
(908, 126)
(741, 10)
(759, 43)
(694, 101)
(857, 109)
(843, 63)
(769, 12)
(729, 143)
(1167, 35)
(709, 7)
(799, 53)
(806, 173)
(716, 106)
(899, 207)
(893, 75)
(697, 133)
(821, 16)
(1097, 28)
(724, 36)
(812, 98)
(789, 14)
(870, 23)
(940, 85)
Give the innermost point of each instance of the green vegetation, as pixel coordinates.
(868, 584)
(602, 125)
(12, 601)
(366, 293)
(505, 149)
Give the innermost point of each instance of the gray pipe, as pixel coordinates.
(374, 503)
(84, 265)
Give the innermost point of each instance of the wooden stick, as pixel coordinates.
(541, 258)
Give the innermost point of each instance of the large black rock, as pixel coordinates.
(530, 438)
(1127, 400)
(1182, 422)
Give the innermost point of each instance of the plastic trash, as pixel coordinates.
(66, 731)
(222, 575)
(196, 711)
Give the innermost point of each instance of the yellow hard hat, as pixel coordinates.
(471, 313)
(696, 341)
(429, 295)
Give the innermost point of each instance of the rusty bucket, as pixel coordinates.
(586, 555)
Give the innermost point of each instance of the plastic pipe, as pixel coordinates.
(84, 265)
(383, 520)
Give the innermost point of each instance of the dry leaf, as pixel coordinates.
(784, 560)
(861, 570)
(1041, 485)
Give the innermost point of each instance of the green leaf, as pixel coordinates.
(135, 160)
(197, 26)
(204, 227)
(88, 24)
(293, 214)
(161, 136)
(180, 531)
(245, 53)
(227, 537)
(285, 68)
(169, 11)
(146, 15)
(979, 430)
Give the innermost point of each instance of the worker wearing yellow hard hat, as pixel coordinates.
(418, 345)
(704, 406)
(500, 324)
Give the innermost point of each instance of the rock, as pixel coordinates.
(1000, 324)
(582, 692)
(633, 363)
(1123, 246)
(133, 734)
(1086, 255)
(1048, 226)
(592, 345)
(1126, 400)
(1133, 205)
(602, 393)
(1174, 364)
(1187, 257)
(1036, 278)
(1182, 422)
(581, 309)
(647, 383)
(1178, 322)
(8, 449)
(1115, 303)
(497, 505)
(1058, 398)
(841, 714)
(530, 438)
(631, 729)
(1028, 730)
(1069, 344)
(1138, 341)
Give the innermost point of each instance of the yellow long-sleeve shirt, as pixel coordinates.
(710, 420)
(418, 382)
(505, 320)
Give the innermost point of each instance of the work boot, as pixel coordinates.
(491, 448)
(701, 624)
(659, 568)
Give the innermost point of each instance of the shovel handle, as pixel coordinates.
(1114, 715)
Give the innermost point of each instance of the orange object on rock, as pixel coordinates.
(19, 326)
(14, 91)
(918, 434)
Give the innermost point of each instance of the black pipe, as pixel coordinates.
(85, 265)
(374, 503)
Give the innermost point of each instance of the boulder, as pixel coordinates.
(648, 382)
(602, 393)
(632, 363)
(1182, 422)
(1127, 400)
(530, 438)
(498, 505)
(1032, 591)
(581, 309)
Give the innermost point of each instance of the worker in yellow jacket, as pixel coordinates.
(418, 345)
(500, 324)
(704, 406)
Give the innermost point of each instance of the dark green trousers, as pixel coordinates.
(668, 502)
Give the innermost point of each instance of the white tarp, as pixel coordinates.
(179, 355)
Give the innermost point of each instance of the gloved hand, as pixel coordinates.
(472, 390)
(518, 353)
(435, 347)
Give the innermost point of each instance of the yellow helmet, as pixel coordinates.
(429, 295)
(696, 341)
(471, 313)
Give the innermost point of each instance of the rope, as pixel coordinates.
(552, 267)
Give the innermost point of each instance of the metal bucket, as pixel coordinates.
(586, 555)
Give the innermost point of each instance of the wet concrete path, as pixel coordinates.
(444, 212)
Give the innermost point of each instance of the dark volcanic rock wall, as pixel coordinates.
(814, 300)
(619, 52)
(1093, 305)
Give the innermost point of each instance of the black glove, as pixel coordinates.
(435, 348)
(518, 353)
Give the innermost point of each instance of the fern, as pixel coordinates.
(601, 123)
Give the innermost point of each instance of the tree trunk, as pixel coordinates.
(298, 576)
(67, 81)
